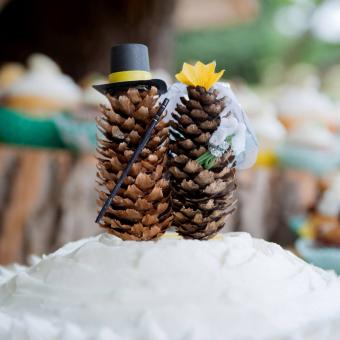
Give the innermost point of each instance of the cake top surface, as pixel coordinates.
(235, 287)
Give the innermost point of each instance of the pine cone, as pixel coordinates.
(141, 210)
(202, 199)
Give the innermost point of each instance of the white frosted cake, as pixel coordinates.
(235, 287)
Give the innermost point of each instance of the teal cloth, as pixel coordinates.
(323, 257)
(77, 135)
(318, 162)
(18, 128)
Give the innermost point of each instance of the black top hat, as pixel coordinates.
(129, 68)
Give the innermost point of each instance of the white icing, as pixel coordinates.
(329, 204)
(44, 79)
(312, 135)
(234, 288)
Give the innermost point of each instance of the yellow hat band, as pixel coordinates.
(121, 76)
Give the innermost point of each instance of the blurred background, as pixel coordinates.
(281, 57)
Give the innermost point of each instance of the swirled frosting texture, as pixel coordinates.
(107, 289)
(44, 79)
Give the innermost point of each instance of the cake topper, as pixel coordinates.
(210, 138)
(132, 151)
(136, 153)
(234, 130)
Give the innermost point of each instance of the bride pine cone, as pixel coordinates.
(202, 199)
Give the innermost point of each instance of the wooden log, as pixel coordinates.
(78, 203)
(20, 204)
(8, 160)
(29, 200)
(42, 229)
(257, 201)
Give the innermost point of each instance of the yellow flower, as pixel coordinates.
(199, 75)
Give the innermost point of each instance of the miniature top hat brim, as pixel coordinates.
(130, 68)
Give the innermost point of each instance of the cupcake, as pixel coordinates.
(77, 128)
(312, 135)
(297, 105)
(32, 100)
(312, 147)
(42, 90)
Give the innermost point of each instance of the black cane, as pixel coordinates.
(136, 153)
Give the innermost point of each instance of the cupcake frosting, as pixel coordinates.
(44, 79)
(299, 102)
(312, 134)
(235, 287)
